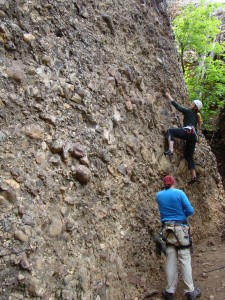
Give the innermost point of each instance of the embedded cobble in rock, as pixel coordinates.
(19, 235)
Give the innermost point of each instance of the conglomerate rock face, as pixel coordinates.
(83, 122)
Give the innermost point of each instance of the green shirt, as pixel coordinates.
(190, 116)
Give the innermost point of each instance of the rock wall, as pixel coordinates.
(82, 130)
(216, 140)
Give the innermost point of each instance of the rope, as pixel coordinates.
(171, 166)
(216, 269)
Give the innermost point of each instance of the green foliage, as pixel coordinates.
(211, 88)
(196, 27)
(196, 30)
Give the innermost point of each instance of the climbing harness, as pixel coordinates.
(192, 130)
(189, 129)
(177, 233)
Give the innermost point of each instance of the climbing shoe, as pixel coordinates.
(193, 295)
(193, 180)
(168, 152)
(167, 296)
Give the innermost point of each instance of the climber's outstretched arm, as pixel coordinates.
(168, 96)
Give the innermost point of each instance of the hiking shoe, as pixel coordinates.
(193, 180)
(193, 295)
(168, 152)
(167, 296)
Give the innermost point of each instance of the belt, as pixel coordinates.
(174, 223)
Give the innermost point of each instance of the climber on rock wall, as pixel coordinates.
(188, 132)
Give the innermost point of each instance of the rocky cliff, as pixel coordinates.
(82, 134)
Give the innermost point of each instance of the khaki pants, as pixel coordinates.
(172, 258)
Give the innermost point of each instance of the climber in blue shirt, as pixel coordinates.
(175, 208)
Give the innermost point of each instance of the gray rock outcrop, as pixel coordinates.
(83, 119)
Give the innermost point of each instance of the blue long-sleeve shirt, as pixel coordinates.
(173, 205)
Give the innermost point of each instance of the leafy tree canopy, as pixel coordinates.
(202, 57)
(196, 27)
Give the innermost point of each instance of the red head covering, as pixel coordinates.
(168, 180)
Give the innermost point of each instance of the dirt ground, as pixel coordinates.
(208, 264)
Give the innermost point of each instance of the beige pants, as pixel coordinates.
(184, 258)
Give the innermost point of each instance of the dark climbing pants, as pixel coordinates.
(189, 148)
